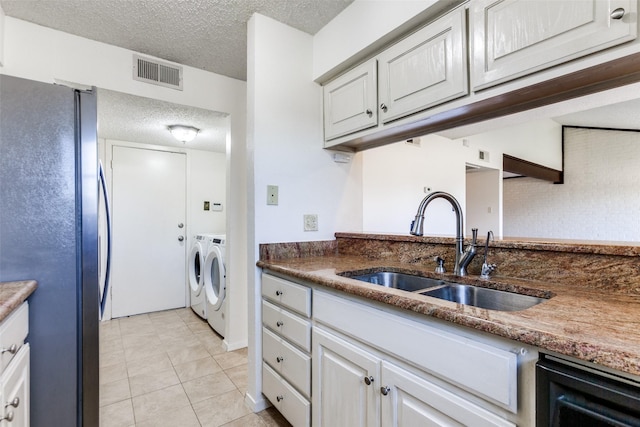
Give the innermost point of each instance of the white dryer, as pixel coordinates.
(197, 256)
(215, 284)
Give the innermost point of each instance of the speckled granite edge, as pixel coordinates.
(273, 251)
(608, 270)
(12, 294)
(573, 246)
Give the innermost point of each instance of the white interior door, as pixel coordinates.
(149, 258)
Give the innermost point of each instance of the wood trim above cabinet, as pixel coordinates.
(613, 74)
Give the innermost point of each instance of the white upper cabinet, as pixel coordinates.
(425, 69)
(350, 101)
(512, 38)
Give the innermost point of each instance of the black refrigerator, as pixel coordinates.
(49, 232)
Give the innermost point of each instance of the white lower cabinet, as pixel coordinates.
(286, 343)
(357, 364)
(344, 383)
(410, 399)
(14, 369)
(14, 391)
(353, 386)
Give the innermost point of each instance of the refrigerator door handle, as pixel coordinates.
(105, 286)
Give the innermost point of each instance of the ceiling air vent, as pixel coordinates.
(157, 73)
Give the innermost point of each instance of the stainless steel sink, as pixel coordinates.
(484, 298)
(406, 282)
(476, 296)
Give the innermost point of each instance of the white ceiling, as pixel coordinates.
(206, 34)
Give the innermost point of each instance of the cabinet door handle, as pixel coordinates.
(279, 323)
(278, 293)
(280, 398)
(279, 359)
(8, 417)
(13, 349)
(369, 112)
(383, 107)
(385, 390)
(180, 238)
(15, 402)
(368, 380)
(618, 13)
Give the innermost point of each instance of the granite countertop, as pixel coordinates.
(590, 324)
(13, 294)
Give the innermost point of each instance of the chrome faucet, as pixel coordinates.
(487, 269)
(463, 258)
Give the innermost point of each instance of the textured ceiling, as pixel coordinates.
(206, 34)
(125, 117)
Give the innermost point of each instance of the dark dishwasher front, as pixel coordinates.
(568, 395)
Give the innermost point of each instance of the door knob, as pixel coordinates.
(385, 390)
(180, 225)
(383, 107)
(368, 380)
(369, 112)
(180, 238)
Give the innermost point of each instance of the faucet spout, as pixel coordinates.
(417, 226)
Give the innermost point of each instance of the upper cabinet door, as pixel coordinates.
(350, 101)
(512, 38)
(425, 69)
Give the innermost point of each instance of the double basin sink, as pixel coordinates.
(476, 296)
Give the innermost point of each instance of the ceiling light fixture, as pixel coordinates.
(183, 133)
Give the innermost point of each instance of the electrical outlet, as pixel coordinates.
(310, 222)
(272, 194)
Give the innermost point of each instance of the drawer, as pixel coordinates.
(13, 332)
(288, 361)
(295, 329)
(287, 294)
(291, 404)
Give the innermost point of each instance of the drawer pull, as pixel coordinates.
(13, 349)
(385, 390)
(15, 402)
(279, 323)
(368, 380)
(280, 398)
(618, 13)
(279, 293)
(8, 417)
(279, 359)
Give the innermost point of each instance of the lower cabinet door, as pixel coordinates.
(412, 400)
(345, 383)
(15, 391)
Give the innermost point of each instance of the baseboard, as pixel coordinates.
(256, 405)
(231, 346)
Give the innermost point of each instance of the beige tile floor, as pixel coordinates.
(170, 369)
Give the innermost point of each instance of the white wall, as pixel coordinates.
(207, 178)
(598, 200)
(538, 141)
(285, 149)
(2, 19)
(483, 202)
(360, 28)
(39, 53)
(394, 180)
(394, 177)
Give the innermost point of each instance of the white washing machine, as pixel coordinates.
(196, 259)
(215, 284)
